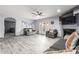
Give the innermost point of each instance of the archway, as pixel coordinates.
(10, 26)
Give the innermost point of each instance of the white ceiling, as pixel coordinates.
(26, 10)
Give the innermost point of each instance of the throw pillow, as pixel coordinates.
(74, 42)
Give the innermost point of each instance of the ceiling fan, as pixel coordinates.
(37, 13)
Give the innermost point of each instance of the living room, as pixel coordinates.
(35, 29)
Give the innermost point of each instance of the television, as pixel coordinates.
(69, 20)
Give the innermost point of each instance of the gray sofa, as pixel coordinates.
(52, 34)
(29, 31)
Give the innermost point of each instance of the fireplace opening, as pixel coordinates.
(68, 31)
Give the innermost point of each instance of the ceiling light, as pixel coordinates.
(58, 10)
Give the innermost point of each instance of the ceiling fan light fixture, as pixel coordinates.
(37, 12)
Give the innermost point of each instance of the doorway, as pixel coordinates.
(44, 26)
(9, 24)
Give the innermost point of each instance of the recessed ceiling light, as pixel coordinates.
(58, 10)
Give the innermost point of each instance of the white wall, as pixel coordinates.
(20, 26)
(18, 29)
(28, 23)
(23, 23)
(1, 27)
(56, 24)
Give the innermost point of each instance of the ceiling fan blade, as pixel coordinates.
(34, 13)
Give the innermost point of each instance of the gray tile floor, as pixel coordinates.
(34, 44)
